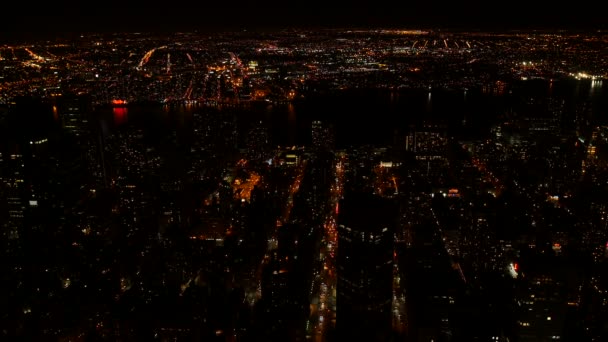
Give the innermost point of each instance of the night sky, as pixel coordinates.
(50, 17)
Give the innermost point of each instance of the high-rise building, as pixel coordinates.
(428, 139)
(13, 188)
(23, 157)
(258, 143)
(545, 294)
(428, 144)
(366, 224)
(74, 112)
(322, 135)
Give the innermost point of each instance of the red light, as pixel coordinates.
(515, 266)
(120, 115)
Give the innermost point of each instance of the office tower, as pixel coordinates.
(74, 112)
(365, 263)
(285, 286)
(322, 136)
(215, 138)
(428, 139)
(76, 116)
(24, 162)
(543, 118)
(13, 192)
(428, 144)
(545, 294)
(258, 143)
(276, 286)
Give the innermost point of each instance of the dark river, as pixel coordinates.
(373, 116)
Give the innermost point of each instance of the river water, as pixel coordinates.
(372, 116)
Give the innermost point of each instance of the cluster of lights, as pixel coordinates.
(38, 142)
(584, 75)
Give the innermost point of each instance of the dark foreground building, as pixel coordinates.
(365, 262)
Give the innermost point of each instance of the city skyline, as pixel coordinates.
(305, 185)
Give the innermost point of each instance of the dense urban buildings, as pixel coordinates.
(305, 185)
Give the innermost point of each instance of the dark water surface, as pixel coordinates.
(371, 116)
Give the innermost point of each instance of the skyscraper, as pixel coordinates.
(321, 135)
(74, 112)
(365, 262)
(258, 143)
(23, 152)
(14, 190)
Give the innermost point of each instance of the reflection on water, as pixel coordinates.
(596, 86)
(55, 113)
(120, 115)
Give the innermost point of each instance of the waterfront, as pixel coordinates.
(370, 116)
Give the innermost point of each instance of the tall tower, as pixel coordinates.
(13, 189)
(365, 263)
(321, 135)
(23, 157)
(74, 112)
(258, 143)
